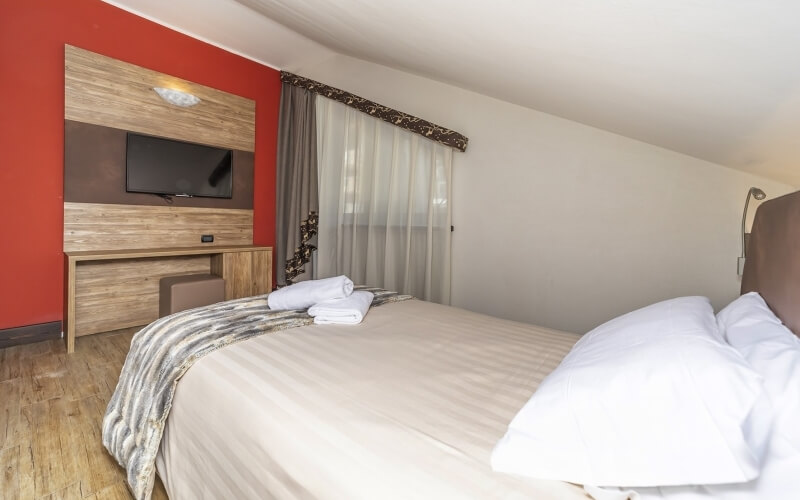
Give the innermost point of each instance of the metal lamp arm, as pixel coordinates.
(744, 218)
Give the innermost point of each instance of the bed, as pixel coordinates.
(408, 404)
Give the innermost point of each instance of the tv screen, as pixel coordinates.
(164, 166)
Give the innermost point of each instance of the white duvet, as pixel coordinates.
(406, 405)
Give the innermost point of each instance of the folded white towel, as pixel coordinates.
(307, 293)
(347, 311)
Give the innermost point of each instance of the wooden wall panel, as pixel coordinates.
(114, 294)
(235, 267)
(96, 226)
(246, 273)
(262, 272)
(105, 91)
(238, 266)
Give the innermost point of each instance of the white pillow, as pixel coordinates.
(750, 326)
(654, 397)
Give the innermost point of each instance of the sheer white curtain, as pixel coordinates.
(384, 204)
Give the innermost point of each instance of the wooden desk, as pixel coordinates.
(114, 289)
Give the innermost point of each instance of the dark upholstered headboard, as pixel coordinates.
(772, 267)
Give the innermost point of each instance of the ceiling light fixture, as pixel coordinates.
(177, 97)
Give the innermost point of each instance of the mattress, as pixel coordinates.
(407, 404)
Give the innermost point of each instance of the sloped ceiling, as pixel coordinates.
(715, 79)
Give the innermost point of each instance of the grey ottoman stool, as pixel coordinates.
(178, 293)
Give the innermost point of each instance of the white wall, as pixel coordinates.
(565, 225)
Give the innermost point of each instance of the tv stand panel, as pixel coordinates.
(108, 290)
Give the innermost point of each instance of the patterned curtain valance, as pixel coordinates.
(412, 123)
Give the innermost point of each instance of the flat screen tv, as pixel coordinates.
(167, 167)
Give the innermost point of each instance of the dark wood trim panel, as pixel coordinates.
(30, 334)
(94, 171)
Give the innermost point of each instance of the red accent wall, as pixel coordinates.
(32, 38)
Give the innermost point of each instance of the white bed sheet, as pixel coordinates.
(408, 404)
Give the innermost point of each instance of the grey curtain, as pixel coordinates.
(297, 193)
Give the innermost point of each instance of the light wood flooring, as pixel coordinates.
(51, 412)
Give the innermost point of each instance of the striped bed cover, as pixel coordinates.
(406, 405)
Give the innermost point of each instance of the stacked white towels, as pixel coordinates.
(307, 293)
(347, 311)
(331, 300)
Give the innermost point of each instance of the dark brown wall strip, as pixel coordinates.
(94, 171)
(30, 334)
(412, 123)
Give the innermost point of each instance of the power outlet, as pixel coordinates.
(207, 238)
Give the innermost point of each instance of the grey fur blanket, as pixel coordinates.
(159, 356)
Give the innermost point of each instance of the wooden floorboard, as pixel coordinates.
(51, 413)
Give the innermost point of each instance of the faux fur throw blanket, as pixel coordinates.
(159, 356)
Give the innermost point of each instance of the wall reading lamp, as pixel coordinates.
(759, 195)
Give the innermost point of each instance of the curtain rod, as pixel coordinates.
(403, 120)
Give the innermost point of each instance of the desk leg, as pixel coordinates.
(69, 304)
